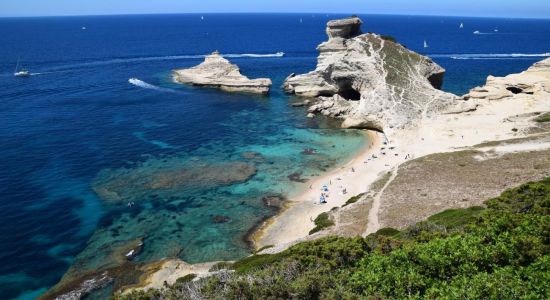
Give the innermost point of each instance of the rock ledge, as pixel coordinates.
(218, 72)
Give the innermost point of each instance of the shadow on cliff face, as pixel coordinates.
(346, 90)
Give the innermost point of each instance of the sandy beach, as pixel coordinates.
(296, 219)
(492, 121)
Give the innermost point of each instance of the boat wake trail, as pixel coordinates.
(159, 58)
(145, 85)
(278, 54)
(493, 56)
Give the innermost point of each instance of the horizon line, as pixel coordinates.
(274, 13)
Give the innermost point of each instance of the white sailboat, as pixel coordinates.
(20, 72)
(202, 17)
(461, 25)
(426, 44)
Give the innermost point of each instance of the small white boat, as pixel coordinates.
(477, 32)
(461, 25)
(202, 17)
(496, 30)
(301, 21)
(83, 27)
(20, 72)
(426, 44)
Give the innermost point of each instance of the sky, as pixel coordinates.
(478, 8)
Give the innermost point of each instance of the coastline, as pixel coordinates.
(493, 120)
(295, 219)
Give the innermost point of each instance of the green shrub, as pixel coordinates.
(186, 278)
(387, 232)
(544, 118)
(264, 247)
(255, 261)
(388, 38)
(500, 252)
(452, 218)
(353, 199)
(321, 222)
(220, 266)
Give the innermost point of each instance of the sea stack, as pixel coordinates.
(218, 72)
(370, 81)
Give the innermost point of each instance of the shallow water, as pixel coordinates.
(81, 139)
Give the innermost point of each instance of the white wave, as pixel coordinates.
(160, 58)
(145, 85)
(479, 32)
(278, 54)
(492, 55)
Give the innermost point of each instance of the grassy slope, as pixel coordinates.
(501, 252)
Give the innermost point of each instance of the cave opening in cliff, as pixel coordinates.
(514, 89)
(346, 91)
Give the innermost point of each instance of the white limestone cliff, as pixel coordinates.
(370, 81)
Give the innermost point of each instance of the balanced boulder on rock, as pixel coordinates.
(370, 81)
(218, 72)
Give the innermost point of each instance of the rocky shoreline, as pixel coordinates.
(370, 82)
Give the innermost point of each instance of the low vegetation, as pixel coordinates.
(353, 199)
(544, 118)
(497, 252)
(322, 221)
(221, 266)
(388, 38)
(186, 278)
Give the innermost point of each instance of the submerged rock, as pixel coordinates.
(167, 175)
(218, 72)
(220, 219)
(135, 251)
(296, 177)
(310, 151)
(369, 81)
(274, 201)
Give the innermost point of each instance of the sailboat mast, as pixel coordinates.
(17, 65)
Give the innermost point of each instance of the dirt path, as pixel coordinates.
(373, 224)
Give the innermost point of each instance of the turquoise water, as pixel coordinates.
(79, 141)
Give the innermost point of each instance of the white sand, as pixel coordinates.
(493, 120)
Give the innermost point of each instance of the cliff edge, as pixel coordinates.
(370, 81)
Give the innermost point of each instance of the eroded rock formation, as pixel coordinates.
(534, 81)
(370, 82)
(218, 72)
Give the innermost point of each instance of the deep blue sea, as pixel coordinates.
(79, 141)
